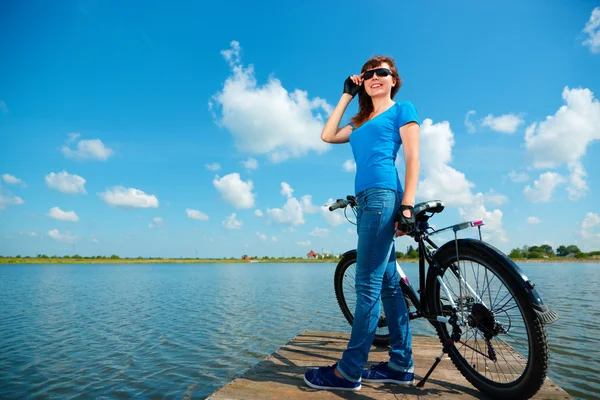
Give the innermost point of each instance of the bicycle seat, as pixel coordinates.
(432, 206)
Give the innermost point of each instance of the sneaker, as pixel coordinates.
(384, 374)
(325, 378)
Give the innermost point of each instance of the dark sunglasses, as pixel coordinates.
(379, 71)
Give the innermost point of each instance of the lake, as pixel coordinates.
(184, 330)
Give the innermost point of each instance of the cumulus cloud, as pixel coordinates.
(291, 213)
(349, 166)
(213, 166)
(12, 180)
(195, 214)
(533, 220)
(231, 222)
(9, 200)
(250, 163)
(495, 199)
(589, 231)
(268, 119)
(259, 213)
(563, 138)
(518, 177)
(577, 186)
(508, 123)
(306, 243)
(65, 237)
(66, 183)
(592, 32)
(262, 236)
(543, 188)
(493, 230)
(333, 218)
(92, 149)
(156, 221)
(307, 205)
(286, 190)
(235, 191)
(441, 181)
(120, 196)
(57, 213)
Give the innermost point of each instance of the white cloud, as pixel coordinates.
(213, 167)
(120, 196)
(543, 188)
(286, 190)
(291, 213)
(470, 126)
(267, 119)
(533, 220)
(13, 180)
(306, 243)
(250, 163)
(3, 108)
(592, 31)
(195, 214)
(273, 238)
(92, 149)
(349, 166)
(493, 230)
(232, 223)
(262, 236)
(65, 237)
(234, 191)
(57, 213)
(320, 232)
(591, 219)
(66, 183)
(9, 200)
(591, 239)
(577, 186)
(333, 218)
(440, 180)
(508, 123)
(518, 177)
(495, 199)
(564, 137)
(308, 206)
(259, 213)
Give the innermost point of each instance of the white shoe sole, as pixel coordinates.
(404, 383)
(312, 385)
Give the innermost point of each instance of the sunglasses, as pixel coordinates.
(379, 71)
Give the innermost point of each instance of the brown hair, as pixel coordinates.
(365, 104)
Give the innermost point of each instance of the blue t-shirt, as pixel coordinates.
(375, 145)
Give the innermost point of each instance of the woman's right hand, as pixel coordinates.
(352, 84)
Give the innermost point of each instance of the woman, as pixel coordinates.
(384, 208)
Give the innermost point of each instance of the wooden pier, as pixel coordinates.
(280, 376)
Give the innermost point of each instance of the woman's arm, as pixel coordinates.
(332, 133)
(410, 142)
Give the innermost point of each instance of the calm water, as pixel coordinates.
(181, 331)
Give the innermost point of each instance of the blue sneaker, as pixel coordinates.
(384, 374)
(325, 378)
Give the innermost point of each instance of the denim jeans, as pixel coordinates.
(376, 275)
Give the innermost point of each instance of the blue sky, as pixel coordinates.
(177, 129)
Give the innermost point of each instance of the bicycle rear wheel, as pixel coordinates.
(503, 350)
(345, 293)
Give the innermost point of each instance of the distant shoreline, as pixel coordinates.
(13, 260)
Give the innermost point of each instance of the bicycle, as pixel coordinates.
(510, 315)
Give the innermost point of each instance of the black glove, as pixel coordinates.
(406, 224)
(350, 87)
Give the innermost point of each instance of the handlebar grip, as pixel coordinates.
(339, 203)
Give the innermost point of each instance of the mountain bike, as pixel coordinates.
(487, 314)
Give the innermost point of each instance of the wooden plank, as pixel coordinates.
(280, 376)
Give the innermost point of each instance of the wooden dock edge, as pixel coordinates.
(280, 375)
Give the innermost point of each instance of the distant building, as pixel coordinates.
(312, 254)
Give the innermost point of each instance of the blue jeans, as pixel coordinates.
(376, 275)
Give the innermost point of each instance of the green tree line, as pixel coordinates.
(546, 251)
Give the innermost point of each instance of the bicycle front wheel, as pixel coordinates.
(503, 349)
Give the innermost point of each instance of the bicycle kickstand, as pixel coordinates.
(455, 337)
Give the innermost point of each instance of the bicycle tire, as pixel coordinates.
(341, 272)
(534, 373)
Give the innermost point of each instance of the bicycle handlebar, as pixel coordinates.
(340, 203)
